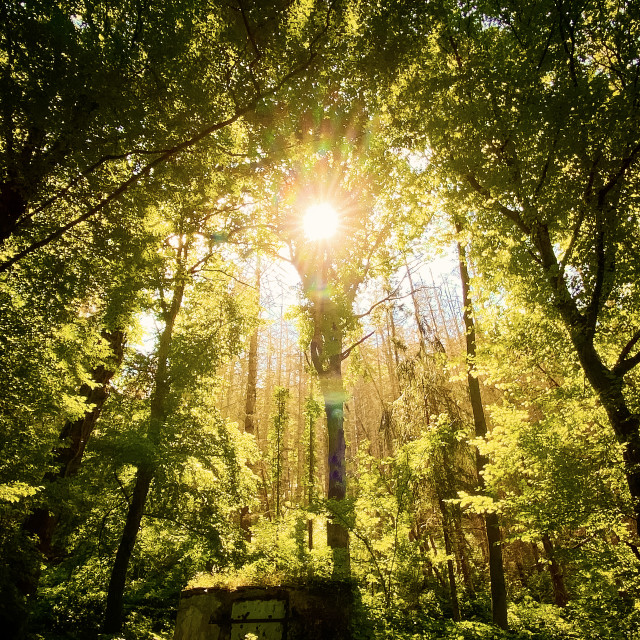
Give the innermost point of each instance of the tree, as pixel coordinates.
(146, 469)
(56, 359)
(331, 273)
(146, 90)
(74, 438)
(529, 119)
(82, 90)
(251, 394)
(556, 470)
(178, 281)
(149, 152)
(492, 525)
(280, 421)
(312, 411)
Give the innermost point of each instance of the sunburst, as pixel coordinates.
(321, 221)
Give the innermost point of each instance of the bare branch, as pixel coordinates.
(122, 489)
(572, 242)
(553, 381)
(389, 298)
(345, 354)
(625, 364)
(225, 273)
(613, 180)
(514, 216)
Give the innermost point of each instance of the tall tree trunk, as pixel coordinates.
(560, 594)
(446, 532)
(250, 400)
(394, 343)
(626, 425)
(333, 395)
(301, 479)
(536, 558)
(75, 435)
(146, 470)
(461, 548)
(327, 355)
(422, 334)
(312, 472)
(376, 436)
(230, 371)
(453, 515)
(452, 309)
(607, 382)
(268, 390)
(252, 379)
(280, 420)
(114, 610)
(492, 526)
(391, 353)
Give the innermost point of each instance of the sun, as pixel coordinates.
(320, 221)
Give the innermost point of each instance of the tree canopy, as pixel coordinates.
(168, 327)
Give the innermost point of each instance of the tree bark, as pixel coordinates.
(492, 526)
(252, 380)
(326, 356)
(416, 311)
(12, 207)
(461, 549)
(560, 594)
(279, 422)
(326, 350)
(312, 474)
(250, 415)
(333, 395)
(114, 610)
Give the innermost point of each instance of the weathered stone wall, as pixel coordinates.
(269, 613)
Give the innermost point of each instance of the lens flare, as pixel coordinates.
(320, 221)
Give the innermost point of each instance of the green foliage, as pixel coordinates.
(187, 527)
(280, 420)
(277, 554)
(520, 118)
(312, 409)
